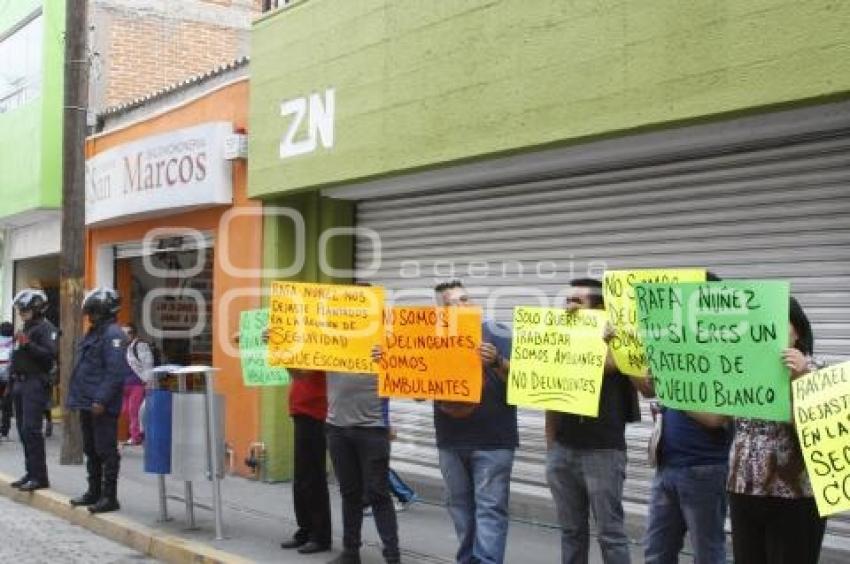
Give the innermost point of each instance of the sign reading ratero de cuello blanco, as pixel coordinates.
(181, 169)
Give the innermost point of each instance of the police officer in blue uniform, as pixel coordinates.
(33, 356)
(96, 389)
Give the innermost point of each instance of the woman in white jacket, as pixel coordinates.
(141, 361)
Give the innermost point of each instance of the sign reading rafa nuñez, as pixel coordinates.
(717, 346)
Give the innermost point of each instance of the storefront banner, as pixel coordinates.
(619, 292)
(178, 170)
(253, 351)
(717, 346)
(325, 326)
(557, 359)
(822, 418)
(432, 353)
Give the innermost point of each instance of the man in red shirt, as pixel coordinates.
(308, 407)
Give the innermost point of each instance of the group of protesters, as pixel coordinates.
(704, 463)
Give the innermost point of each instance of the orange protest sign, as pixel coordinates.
(324, 326)
(432, 353)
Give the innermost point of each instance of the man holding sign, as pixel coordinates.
(586, 460)
(688, 493)
(476, 444)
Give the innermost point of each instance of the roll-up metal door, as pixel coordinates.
(757, 206)
(180, 242)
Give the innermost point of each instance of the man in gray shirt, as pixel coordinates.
(359, 445)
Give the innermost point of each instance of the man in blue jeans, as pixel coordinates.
(476, 443)
(586, 460)
(689, 488)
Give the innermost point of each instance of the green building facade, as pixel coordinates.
(31, 98)
(519, 144)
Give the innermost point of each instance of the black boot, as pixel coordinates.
(20, 482)
(105, 505)
(108, 500)
(91, 496)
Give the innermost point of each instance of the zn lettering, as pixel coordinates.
(320, 123)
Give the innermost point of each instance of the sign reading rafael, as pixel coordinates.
(170, 172)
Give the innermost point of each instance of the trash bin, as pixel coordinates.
(184, 437)
(158, 411)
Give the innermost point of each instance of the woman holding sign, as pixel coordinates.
(774, 516)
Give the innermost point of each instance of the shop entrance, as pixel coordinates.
(42, 273)
(170, 301)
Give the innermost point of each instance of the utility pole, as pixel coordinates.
(71, 261)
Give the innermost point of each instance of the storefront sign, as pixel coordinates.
(432, 353)
(319, 124)
(717, 346)
(174, 171)
(619, 290)
(822, 419)
(557, 360)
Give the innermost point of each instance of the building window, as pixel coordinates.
(269, 5)
(21, 51)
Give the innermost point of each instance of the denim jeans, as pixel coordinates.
(692, 500)
(478, 490)
(583, 481)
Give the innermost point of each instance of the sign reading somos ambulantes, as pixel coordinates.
(180, 169)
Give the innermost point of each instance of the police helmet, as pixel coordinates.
(101, 303)
(31, 299)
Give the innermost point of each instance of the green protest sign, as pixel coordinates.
(254, 352)
(717, 346)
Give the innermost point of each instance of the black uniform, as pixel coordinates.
(98, 377)
(30, 369)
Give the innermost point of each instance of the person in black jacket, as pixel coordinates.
(33, 356)
(96, 390)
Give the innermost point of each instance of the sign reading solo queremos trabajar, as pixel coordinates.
(178, 170)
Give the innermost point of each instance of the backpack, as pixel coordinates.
(157, 355)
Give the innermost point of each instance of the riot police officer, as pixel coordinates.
(33, 356)
(96, 390)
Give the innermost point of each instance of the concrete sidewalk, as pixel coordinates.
(257, 517)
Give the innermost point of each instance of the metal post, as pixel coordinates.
(188, 498)
(213, 453)
(163, 504)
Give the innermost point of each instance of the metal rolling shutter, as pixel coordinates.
(180, 242)
(776, 207)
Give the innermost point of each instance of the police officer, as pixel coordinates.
(33, 356)
(96, 390)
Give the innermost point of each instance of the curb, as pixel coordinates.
(157, 544)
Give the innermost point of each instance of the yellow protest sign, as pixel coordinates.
(557, 359)
(432, 353)
(324, 326)
(620, 302)
(822, 416)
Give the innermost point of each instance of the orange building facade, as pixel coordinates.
(169, 225)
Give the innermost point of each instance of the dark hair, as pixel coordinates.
(7, 329)
(805, 336)
(443, 286)
(596, 300)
